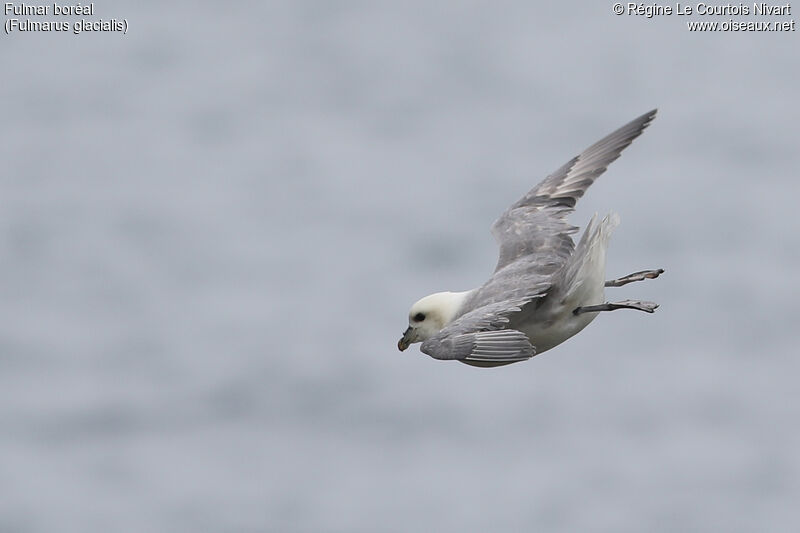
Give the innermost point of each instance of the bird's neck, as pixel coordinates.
(452, 303)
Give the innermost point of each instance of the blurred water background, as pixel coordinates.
(212, 229)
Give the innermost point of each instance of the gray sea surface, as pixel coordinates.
(212, 228)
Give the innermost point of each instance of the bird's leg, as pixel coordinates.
(647, 307)
(636, 276)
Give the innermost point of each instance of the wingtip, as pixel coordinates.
(640, 123)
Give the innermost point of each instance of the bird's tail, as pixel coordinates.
(587, 264)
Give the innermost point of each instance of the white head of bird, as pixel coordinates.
(429, 315)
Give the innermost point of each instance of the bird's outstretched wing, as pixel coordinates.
(478, 337)
(537, 222)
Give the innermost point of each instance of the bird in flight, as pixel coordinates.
(544, 289)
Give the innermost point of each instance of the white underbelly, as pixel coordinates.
(556, 321)
(543, 337)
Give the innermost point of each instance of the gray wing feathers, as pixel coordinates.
(479, 336)
(537, 221)
(501, 346)
(570, 182)
(504, 346)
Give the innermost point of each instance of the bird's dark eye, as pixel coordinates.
(419, 317)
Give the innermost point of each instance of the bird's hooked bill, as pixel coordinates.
(404, 341)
